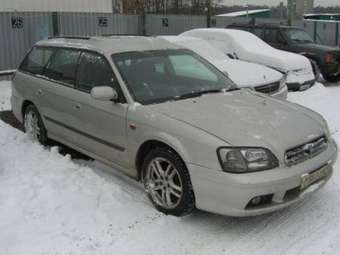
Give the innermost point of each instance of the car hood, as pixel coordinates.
(278, 59)
(257, 75)
(246, 118)
(317, 48)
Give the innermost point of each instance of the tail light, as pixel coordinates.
(329, 58)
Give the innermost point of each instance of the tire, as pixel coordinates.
(332, 79)
(166, 183)
(34, 126)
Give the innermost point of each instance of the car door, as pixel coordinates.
(57, 95)
(101, 125)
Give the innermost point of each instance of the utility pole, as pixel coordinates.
(208, 11)
(291, 6)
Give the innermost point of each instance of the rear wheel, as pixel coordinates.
(167, 182)
(34, 127)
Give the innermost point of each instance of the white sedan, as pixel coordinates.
(261, 78)
(248, 47)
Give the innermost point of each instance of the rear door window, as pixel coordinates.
(63, 66)
(94, 71)
(273, 36)
(36, 60)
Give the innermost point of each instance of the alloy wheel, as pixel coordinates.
(32, 125)
(163, 183)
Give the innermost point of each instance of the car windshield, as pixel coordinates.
(163, 75)
(298, 36)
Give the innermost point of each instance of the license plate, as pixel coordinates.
(309, 179)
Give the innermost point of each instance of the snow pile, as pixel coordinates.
(5, 94)
(50, 204)
(324, 101)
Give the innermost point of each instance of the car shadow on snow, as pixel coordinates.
(9, 118)
(134, 191)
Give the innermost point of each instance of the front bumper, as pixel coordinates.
(229, 194)
(300, 81)
(331, 69)
(295, 86)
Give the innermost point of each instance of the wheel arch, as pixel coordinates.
(150, 144)
(24, 106)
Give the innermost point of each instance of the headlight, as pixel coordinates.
(244, 160)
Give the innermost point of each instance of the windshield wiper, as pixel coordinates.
(198, 93)
(233, 89)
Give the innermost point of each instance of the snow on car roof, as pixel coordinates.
(241, 38)
(201, 47)
(242, 13)
(112, 44)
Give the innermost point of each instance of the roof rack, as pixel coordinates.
(70, 37)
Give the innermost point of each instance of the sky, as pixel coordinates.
(276, 2)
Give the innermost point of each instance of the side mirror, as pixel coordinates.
(104, 93)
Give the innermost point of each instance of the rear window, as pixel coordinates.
(36, 60)
(63, 66)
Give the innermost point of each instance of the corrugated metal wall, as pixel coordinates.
(172, 24)
(15, 40)
(19, 31)
(88, 24)
(327, 31)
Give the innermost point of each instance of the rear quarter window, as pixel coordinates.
(36, 60)
(63, 66)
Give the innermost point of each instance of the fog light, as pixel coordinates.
(256, 201)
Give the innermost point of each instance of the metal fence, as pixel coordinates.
(327, 31)
(172, 24)
(19, 31)
(91, 24)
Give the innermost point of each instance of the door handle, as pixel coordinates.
(77, 106)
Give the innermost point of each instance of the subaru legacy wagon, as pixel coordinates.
(165, 116)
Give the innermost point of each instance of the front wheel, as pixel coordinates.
(34, 127)
(332, 79)
(167, 182)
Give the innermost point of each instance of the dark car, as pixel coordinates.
(325, 59)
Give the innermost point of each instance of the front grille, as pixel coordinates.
(305, 151)
(268, 88)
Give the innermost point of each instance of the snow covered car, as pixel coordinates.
(166, 116)
(259, 77)
(248, 47)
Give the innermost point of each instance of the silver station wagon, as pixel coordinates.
(165, 116)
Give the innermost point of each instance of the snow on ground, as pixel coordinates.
(324, 100)
(5, 93)
(50, 204)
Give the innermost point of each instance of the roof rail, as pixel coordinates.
(113, 34)
(70, 37)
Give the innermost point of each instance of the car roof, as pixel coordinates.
(110, 45)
